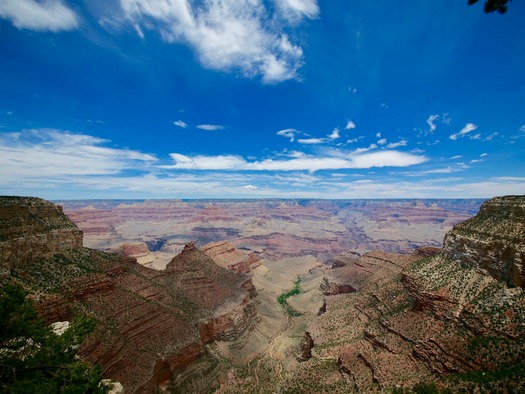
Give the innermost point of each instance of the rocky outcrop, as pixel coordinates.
(305, 347)
(492, 241)
(154, 327)
(32, 228)
(226, 255)
(455, 319)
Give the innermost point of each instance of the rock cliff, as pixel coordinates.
(31, 228)
(493, 241)
(153, 327)
(454, 320)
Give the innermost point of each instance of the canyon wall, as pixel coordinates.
(153, 326)
(492, 241)
(32, 229)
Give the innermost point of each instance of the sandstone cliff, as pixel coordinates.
(31, 228)
(454, 320)
(153, 326)
(493, 240)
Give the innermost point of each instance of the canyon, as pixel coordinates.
(154, 230)
(282, 296)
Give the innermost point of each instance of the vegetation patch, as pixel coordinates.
(33, 359)
(282, 299)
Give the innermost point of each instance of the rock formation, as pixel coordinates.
(452, 320)
(227, 256)
(31, 229)
(493, 241)
(153, 326)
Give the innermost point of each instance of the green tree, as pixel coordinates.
(35, 360)
(499, 6)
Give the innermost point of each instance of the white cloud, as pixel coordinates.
(475, 136)
(350, 125)
(294, 10)
(250, 187)
(229, 35)
(210, 127)
(483, 155)
(334, 135)
(394, 145)
(464, 131)
(457, 157)
(476, 161)
(311, 141)
(430, 121)
(352, 140)
(47, 15)
(491, 137)
(522, 128)
(361, 150)
(180, 123)
(288, 133)
(357, 159)
(378, 135)
(49, 153)
(382, 141)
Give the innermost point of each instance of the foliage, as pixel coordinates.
(35, 360)
(283, 297)
(499, 6)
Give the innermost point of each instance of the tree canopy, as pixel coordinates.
(499, 6)
(33, 359)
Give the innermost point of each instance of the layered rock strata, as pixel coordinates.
(31, 228)
(153, 327)
(448, 319)
(493, 241)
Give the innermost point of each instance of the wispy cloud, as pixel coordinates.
(430, 121)
(288, 133)
(49, 153)
(295, 10)
(180, 123)
(338, 160)
(464, 131)
(230, 35)
(522, 128)
(210, 127)
(49, 15)
(311, 141)
(394, 145)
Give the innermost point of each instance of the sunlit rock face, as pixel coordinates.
(32, 228)
(493, 241)
(153, 327)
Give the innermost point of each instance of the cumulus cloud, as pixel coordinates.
(350, 125)
(230, 35)
(382, 141)
(334, 135)
(288, 133)
(47, 15)
(180, 123)
(464, 131)
(210, 127)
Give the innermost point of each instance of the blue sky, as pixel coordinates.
(261, 98)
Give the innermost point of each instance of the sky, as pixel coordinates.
(261, 99)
